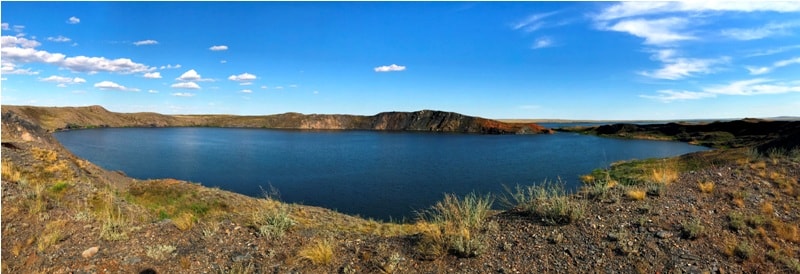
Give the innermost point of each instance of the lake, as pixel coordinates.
(373, 174)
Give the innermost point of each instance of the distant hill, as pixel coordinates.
(60, 118)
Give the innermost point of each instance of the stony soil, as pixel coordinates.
(616, 234)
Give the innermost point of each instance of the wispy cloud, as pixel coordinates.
(60, 39)
(390, 68)
(27, 54)
(218, 48)
(543, 42)
(773, 51)
(675, 68)
(153, 75)
(758, 86)
(247, 91)
(183, 94)
(73, 20)
(533, 22)
(12, 41)
(152, 91)
(771, 29)
(186, 85)
(775, 65)
(11, 68)
(636, 9)
(108, 85)
(145, 42)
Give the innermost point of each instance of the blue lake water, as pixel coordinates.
(368, 173)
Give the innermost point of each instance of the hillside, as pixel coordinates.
(57, 118)
(719, 211)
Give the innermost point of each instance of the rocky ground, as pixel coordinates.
(720, 211)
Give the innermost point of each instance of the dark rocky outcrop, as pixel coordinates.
(62, 118)
(764, 134)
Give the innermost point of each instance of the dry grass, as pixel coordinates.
(706, 187)
(319, 253)
(10, 172)
(665, 174)
(51, 235)
(185, 221)
(767, 208)
(636, 194)
(160, 252)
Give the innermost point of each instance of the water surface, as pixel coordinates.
(368, 173)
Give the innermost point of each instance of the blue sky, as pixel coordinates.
(570, 60)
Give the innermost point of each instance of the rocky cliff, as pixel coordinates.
(58, 118)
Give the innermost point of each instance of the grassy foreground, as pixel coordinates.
(727, 210)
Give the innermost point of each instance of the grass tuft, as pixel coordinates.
(706, 187)
(273, 223)
(160, 252)
(636, 194)
(454, 225)
(547, 201)
(319, 253)
(693, 229)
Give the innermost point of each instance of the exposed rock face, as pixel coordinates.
(57, 118)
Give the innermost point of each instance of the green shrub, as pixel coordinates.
(455, 225)
(693, 229)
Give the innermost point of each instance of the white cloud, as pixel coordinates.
(654, 32)
(219, 48)
(675, 68)
(62, 85)
(5, 26)
(186, 85)
(183, 94)
(771, 29)
(11, 41)
(190, 75)
(542, 42)
(98, 64)
(390, 68)
(787, 62)
(673, 95)
(73, 20)
(244, 77)
(293, 86)
(278, 87)
(316, 92)
(754, 87)
(247, 91)
(263, 87)
(63, 80)
(758, 70)
(108, 85)
(758, 86)
(223, 61)
(60, 39)
(10, 68)
(152, 91)
(635, 9)
(145, 42)
(152, 75)
(533, 22)
(773, 51)
(171, 66)
(778, 64)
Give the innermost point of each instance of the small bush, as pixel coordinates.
(736, 221)
(273, 223)
(706, 187)
(51, 235)
(655, 189)
(10, 172)
(319, 253)
(114, 224)
(160, 252)
(743, 250)
(693, 229)
(664, 174)
(636, 194)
